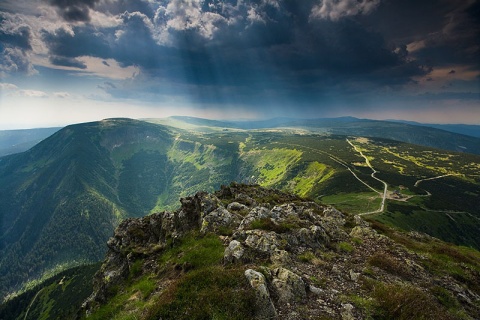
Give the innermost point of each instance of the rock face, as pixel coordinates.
(301, 259)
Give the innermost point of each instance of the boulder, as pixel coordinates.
(219, 218)
(264, 308)
(234, 252)
(288, 286)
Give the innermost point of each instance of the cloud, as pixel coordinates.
(32, 93)
(455, 41)
(15, 35)
(15, 60)
(15, 46)
(261, 52)
(7, 86)
(62, 95)
(337, 9)
(67, 62)
(74, 10)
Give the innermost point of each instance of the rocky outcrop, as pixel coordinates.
(302, 260)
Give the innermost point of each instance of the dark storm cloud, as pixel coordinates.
(448, 30)
(274, 38)
(15, 46)
(74, 10)
(263, 50)
(83, 41)
(19, 38)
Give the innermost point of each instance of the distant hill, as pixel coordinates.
(15, 141)
(419, 134)
(466, 129)
(430, 136)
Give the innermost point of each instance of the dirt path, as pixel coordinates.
(433, 178)
(385, 185)
(345, 164)
(31, 303)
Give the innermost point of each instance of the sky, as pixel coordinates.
(70, 61)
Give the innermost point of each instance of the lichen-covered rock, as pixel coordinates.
(264, 308)
(257, 213)
(235, 206)
(288, 286)
(264, 241)
(233, 252)
(363, 232)
(333, 214)
(219, 218)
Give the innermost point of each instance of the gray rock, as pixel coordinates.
(245, 199)
(264, 241)
(264, 308)
(219, 217)
(354, 275)
(347, 312)
(288, 286)
(280, 257)
(333, 214)
(360, 222)
(256, 213)
(235, 206)
(234, 252)
(362, 232)
(315, 290)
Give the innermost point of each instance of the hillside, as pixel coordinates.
(62, 199)
(245, 252)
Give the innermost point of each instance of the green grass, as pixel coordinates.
(345, 247)
(405, 302)
(354, 202)
(207, 293)
(269, 225)
(271, 165)
(306, 257)
(316, 173)
(128, 302)
(195, 251)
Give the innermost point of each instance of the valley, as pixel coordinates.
(62, 199)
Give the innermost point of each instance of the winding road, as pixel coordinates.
(385, 185)
(345, 164)
(433, 178)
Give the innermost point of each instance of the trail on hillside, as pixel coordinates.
(345, 164)
(385, 185)
(433, 178)
(31, 303)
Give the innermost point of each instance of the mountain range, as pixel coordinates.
(15, 141)
(62, 199)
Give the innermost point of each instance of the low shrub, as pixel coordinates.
(209, 293)
(390, 265)
(405, 302)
